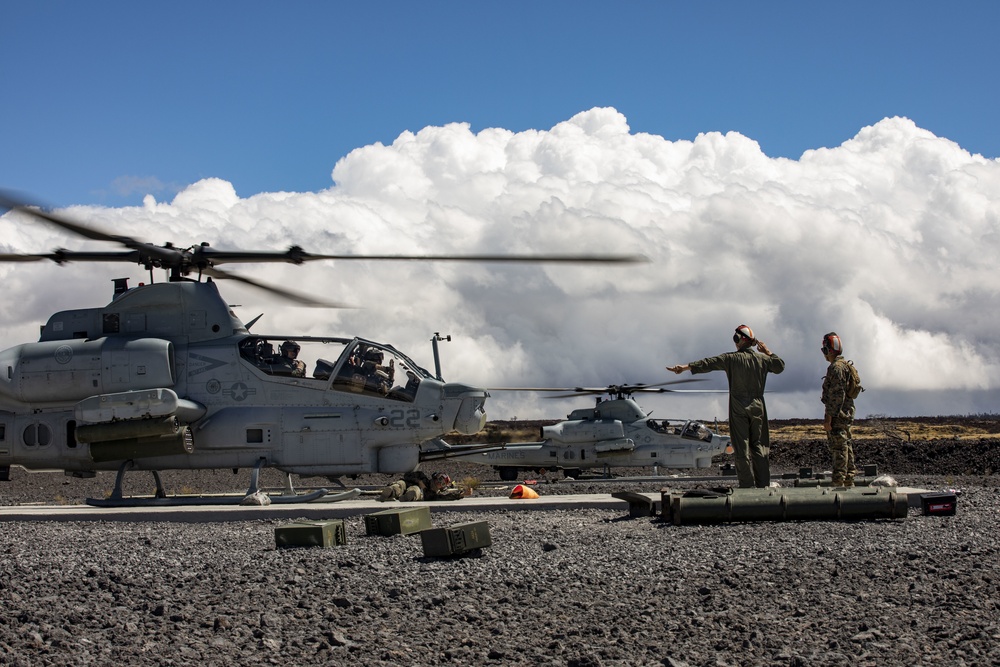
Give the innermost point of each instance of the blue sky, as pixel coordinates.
(104, 102)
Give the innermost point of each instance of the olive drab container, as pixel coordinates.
(311, 534)
(784, 504)
(457, 539)
(398, 521)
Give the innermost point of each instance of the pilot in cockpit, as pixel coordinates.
(288, 361)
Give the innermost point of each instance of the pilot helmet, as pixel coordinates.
(290, 345)
(439, 480)
(743, 332)
(831, 343)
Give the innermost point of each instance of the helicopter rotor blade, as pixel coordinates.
(296, 255)
(601, 390)
(14, 203)
(203, 258)
(6, 257)
(300, 299)
(148, 253)
(616, 390)
(534, 389)
(667, 383)
(534, 259)
(60, 256)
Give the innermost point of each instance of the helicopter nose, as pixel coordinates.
(471, 417)
(470, 408)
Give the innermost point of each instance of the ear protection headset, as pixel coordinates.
(743, 331)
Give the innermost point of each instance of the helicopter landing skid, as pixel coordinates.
(161, 499)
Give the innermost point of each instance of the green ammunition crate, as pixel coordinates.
(457, 539)
(398, 521)
(311, 534)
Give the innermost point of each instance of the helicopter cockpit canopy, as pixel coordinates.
(361, 367)
(688, 429)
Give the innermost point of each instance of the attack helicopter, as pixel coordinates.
(616, 432)
(166, 377)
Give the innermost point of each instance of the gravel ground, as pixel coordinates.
(575, 588)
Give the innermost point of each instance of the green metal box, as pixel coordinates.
(398, 521)
(311, 534)
(457, 539)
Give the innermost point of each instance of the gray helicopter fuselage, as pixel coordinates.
(168, 377)
(616, 433)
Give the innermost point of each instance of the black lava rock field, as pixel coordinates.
(576, 588)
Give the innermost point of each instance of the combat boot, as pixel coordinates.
(412, 494)
(393, 491)
(848, 483)
(837, 482)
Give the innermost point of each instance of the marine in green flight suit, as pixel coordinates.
(747, 373)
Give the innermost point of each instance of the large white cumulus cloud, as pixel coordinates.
(890, 239)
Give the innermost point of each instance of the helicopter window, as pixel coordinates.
(286, 358)
(697, 431)
(662, 426)
(371, 369)
(255, 436)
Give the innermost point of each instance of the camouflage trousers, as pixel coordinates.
(400, 491)
(842, 450)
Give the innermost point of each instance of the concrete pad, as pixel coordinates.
(319, 510)
(316, 510)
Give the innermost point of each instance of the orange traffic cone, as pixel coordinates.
(523, 492)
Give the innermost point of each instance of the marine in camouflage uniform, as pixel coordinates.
(418, 486)
(747, 373)
(839, 413)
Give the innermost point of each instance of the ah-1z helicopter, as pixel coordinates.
(166, 376)
(613, 433)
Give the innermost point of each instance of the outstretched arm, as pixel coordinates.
(679, 369)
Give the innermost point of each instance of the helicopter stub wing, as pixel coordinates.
(612, 447)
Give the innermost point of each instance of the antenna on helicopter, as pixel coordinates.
(437, 359)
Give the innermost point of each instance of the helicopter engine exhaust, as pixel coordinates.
(85, 368)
